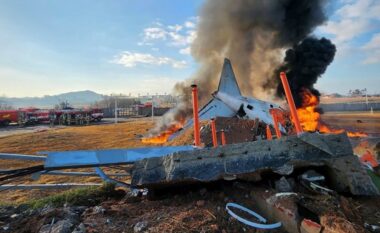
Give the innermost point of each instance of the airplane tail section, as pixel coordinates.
(228, 83)
(216, 107)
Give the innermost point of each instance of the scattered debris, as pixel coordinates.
(282, 185)
(140, 226)
(309, 226)
(261, 225)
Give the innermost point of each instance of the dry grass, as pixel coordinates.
(332, 100)
(354, 121)
(123, 135)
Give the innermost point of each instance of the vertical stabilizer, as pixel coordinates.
(228, 83)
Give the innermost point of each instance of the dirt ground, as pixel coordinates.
(193, 211)
(361, 99)
(354, 121)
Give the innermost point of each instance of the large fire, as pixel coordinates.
(163, 136)
(310, 118)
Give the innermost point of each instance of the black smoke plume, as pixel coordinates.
(304, 64)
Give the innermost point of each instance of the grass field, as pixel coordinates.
(122, 135)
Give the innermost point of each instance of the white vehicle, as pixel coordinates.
(97, 116)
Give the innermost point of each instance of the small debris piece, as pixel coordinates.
(203, 192)
(14, 215)
(282, 185)
(80, 229)
(372, 228)
(262, 220)
(308, 226)
(368, 157)
(62, 226)
(140, 226)
(312, 176)
(200, 203)
(99, 210)
(6, 227)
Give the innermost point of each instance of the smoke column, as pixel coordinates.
(253, 34)
(304, 64)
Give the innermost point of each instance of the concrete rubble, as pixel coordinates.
(249, 161)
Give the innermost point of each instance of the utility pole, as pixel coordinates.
(115, 109)
(152, 109)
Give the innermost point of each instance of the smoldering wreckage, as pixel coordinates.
(243, 140)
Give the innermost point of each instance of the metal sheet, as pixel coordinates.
(37, 175)
(46, 186)
(106, 178)
(95, 158)
(22, 157)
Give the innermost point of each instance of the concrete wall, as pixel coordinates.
(147, 111)
(141, 111)
(350, 107)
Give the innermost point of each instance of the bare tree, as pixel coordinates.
(62, 105)
(5, 106)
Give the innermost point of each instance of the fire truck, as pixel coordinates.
(31, 116)
(70, 116)
(37, 115)
(21, 117)
(9, 116)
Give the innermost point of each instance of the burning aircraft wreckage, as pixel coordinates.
(276, 142)
(241, 138)
(234, 137)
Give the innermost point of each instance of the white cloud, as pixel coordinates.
(175, 28)
(129, 59)
(142, 43)
(189, 24)
(174, 35)
(154, 33)
(372, 50)
(361, 9)
(354, 19)
(346, 29)
(185, 51)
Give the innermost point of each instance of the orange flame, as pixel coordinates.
(310, 118)
(163, 136)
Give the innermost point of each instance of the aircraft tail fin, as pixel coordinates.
(228, 83)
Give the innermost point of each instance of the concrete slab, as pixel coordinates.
(248, 160)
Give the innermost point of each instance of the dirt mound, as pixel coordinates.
(236, 130)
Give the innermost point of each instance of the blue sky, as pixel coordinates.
(142, 46)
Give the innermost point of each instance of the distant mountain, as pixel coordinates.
(75, 99)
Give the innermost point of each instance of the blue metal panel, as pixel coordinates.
(94, 158)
